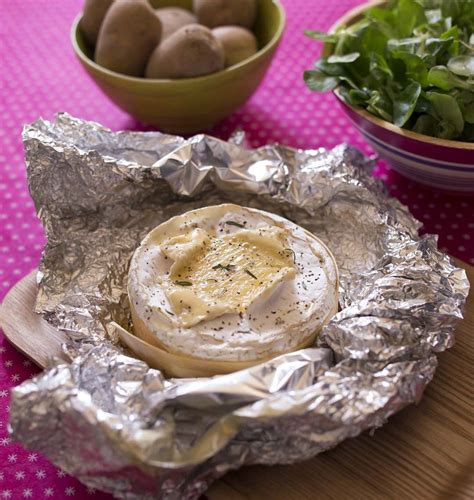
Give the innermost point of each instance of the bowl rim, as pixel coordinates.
(273, 42)
(347, 19)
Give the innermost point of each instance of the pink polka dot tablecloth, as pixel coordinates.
(40, 76)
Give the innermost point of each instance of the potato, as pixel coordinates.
(173, 18)
(92, 17)
(238, 43)
(127, 37)
(191, 51)
(214, 13)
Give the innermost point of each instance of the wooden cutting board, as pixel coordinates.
(423, 452)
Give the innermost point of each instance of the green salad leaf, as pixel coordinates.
(462, 65)
(405, 102)
(410, 62)
(319, 81)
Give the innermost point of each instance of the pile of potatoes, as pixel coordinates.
(132, 38)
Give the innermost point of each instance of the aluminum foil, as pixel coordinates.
(120, 426)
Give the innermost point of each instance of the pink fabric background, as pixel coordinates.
(40, 76)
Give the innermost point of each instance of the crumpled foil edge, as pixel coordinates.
(122, 427)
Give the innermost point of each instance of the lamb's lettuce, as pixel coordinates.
(411, 63)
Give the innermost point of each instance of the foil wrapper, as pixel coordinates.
(119, 426)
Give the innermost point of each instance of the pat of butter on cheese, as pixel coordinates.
(214, 276)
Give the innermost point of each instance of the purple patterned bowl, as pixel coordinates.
(439, 163)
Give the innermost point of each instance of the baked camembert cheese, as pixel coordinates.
(231, 284)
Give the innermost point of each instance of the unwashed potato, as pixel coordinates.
(191, 51)
(129, 33)
(173, 18)
(214, 13)
(92, 17)
(238, 43)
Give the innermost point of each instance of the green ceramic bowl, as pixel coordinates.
(188, 105)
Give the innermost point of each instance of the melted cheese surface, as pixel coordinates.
(214, 276)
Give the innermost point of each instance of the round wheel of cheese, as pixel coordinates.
(231, 286)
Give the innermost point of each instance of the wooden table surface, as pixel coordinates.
(423, 452)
